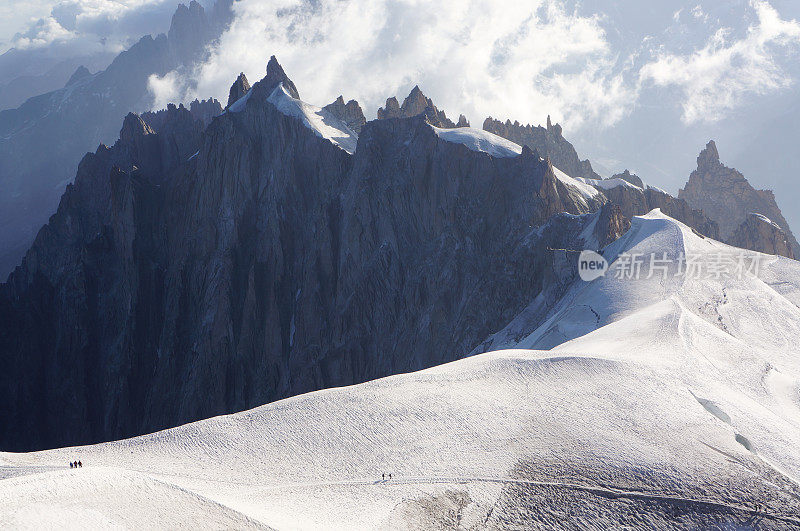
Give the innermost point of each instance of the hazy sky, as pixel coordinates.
(82, 26)
(636, 84)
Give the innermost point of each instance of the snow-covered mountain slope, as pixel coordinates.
(479, 140)
(675, 404)
(323, 123)
(607, 184)
(585, 190)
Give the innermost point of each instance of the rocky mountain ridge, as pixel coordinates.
(547, 141)
(726, 196)
(192, 271)
(417, 104)
(350, 113)
(212, 261)
(761, 234)
(238, 89)
(75, 119)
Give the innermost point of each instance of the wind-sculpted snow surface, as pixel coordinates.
(675, 405)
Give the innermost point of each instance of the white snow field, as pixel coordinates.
(479, 140)
(665, 403)
(608, 184)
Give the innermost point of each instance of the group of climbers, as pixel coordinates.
(76, 464)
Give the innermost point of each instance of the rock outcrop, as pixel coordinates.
(633, 200)
(190, 272)
(759, 233)
(350, 113)
(238, 89)
(548, 142)
(629, 177)
(611, 224)
(416, 104)
(725, 196)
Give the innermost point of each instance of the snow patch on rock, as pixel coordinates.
(238, 105)
(323, 123)
(479, 140)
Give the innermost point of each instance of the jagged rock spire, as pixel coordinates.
(725, 196)
(350, 113)
(238, 89)
(276, 75)
(709, 155)
(133, 127)
(391, 110)
(556, 129)
(462, 121)
(415, 104)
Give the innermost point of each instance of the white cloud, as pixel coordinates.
(477, 57)
(699, 14)
(90, 26)
(714, 79)
(163, 88)
(42, 33)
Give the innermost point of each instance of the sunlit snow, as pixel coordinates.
(669, 395)
(479, 140)
(320, 121)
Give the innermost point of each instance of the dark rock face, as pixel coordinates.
(350, 113)
(759, 233)
(636, 202)
(42, 141)
(548, 142)
(238, 89)
(416, 104)
(725, 196)
(193, 272)
(611, 224)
